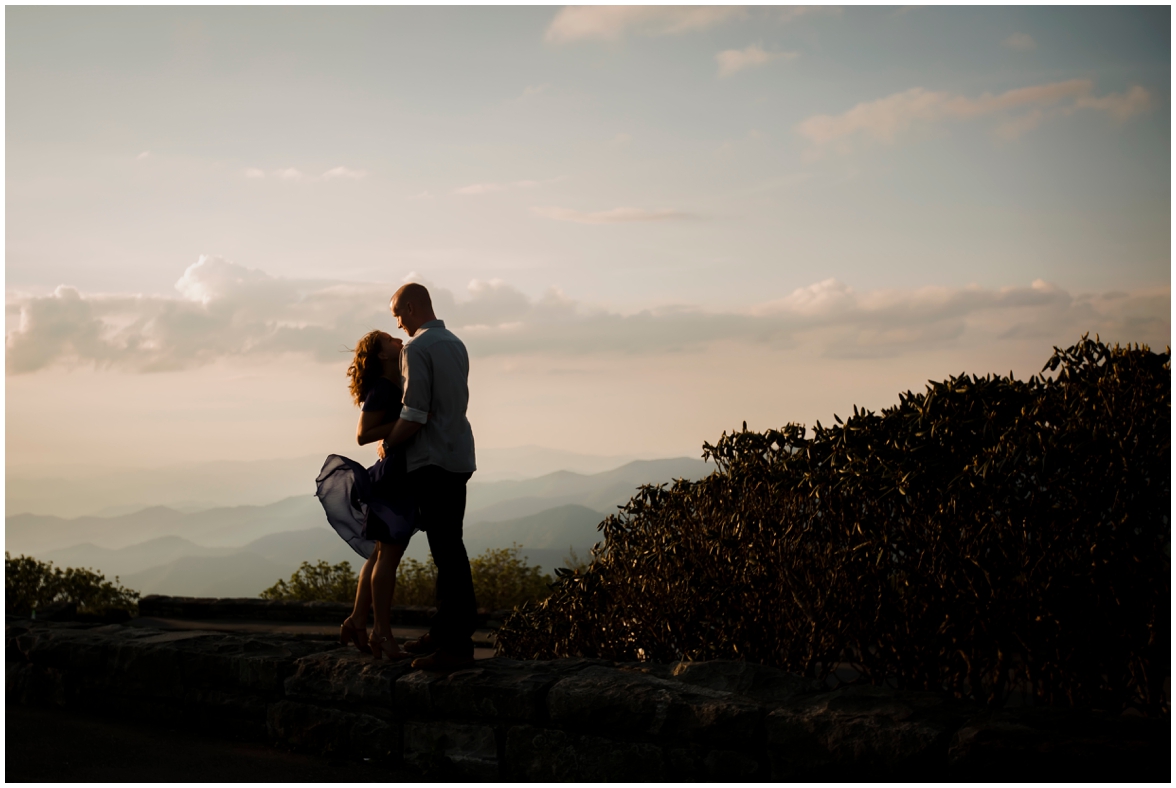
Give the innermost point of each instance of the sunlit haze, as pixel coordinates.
(648, 225)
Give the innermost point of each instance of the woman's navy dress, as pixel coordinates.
(366, 505)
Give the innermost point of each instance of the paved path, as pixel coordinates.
(52, 745)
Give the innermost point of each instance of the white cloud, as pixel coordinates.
(222, 309)
(621, 140)
(292, 174)
(609, 23)
(1022, 42)
(613, 216)
(885, 118)
(534, 90)
(213, 278)
(489, 188)
(732, 61)
(344, 172)
(144, 155)
(823, 297)
(1120, 106)
(1012, 129)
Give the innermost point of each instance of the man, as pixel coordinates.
(435, 368)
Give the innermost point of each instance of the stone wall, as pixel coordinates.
(575, 719)
(255, 609)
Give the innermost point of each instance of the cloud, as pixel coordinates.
(292, 174)
(1012, 129)
(222, 309)
(216, 279)
(1022, 42)
(1121, 106)
(343, 172)
(144, 155)
(490, 188)
(886, 118)
(610, 23)
(534, 90)
(613, 216)
(732, 61)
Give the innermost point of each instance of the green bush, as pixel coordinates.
(987, 532)
(415, 583)
(318, 582)
(31, 585)
(502, 580)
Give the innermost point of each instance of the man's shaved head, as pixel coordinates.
(412, 293)
(412, 307)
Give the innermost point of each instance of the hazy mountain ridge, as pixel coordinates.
(72, 491)
(232, 526)
(76, 490)
(557, 528)
(240, 574)
(200, 571)
(587, 489)
(160, 550)
(127, 560)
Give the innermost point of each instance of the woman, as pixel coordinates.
(371, 508)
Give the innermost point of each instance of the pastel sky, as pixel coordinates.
(648, 224)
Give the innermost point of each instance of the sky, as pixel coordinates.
(649, 225)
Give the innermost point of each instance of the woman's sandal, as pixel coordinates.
(348, 633)
(382, 647)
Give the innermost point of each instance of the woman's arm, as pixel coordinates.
(401, 431)
(371, 427)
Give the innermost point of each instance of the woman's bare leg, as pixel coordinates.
(363, 594)
(383, 587)
(354, 628)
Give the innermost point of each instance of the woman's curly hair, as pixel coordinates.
(366, 366)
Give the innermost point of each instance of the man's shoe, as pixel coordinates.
(442, 660)
(422, 645)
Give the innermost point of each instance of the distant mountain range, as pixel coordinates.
(68, 490)
(174, 565)
(233, 526)
(600, 491)
(76, 490)
(238, 551)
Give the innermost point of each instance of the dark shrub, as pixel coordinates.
(416, 582)
(985, 531)
(318, 582)
(502, 580)
(31, 585)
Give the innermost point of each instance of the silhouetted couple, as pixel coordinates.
(412, 397)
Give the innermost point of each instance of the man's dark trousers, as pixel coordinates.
(442, 498)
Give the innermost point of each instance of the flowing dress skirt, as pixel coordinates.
(365, 505)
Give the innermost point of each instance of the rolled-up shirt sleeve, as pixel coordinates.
(418, 385)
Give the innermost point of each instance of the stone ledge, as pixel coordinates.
(255, 609)
(576, 719)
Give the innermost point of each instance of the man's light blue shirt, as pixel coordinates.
(435, 370)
